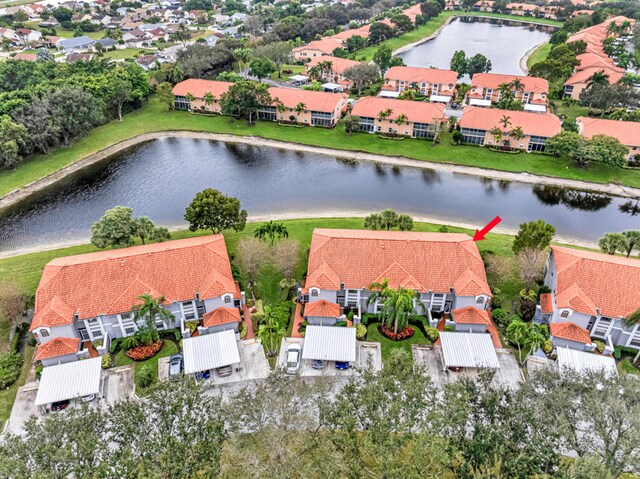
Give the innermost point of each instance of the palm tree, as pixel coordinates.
(384, 114)
(517, 133)
(314, 73)
(402, 118)
(300, 107)
(598, 78)
(190, 98)
(209, 99)
(373, 221)
(632, 319)
(612, 28)
(398, 305)
(272, 231)
(496, 132)
(517, 333)
(242, 56)
(280, 108)
(271, 332)
(505, 121)
(404, 223)
(149, 310)
(325, 67)
(505, 94)
(536, 336)
(388, 219)
(517, 84)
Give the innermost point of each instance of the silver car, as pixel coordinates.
(176, 366)
(294, 357)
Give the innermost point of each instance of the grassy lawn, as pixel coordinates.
(285, 76)
(8, 396)
(572, 111)
(125, 53)
(433, 24)
(154, 117)
(387, 345)
(168, 348)
(64, 33)
(627, 367)
(540, 54)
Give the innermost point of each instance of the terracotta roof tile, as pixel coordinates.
(538, 124)
(313, 100)
(471, 315)
(357, 258)
(627, 132)
(221, 315)
(57, 347)
(416, 111)
(199, 88)
(586, 280)
(419, 75)
(494, 80)
(109, 282)
(570, 332)
(591, 60)
(322, 309)
(325, 45)
(583, 76)
(338, 65)
(546, 303)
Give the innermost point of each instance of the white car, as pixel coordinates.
(294, 357)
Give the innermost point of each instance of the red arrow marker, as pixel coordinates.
(479, 236)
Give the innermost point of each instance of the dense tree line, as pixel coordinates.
(393, 424)
(44, 104)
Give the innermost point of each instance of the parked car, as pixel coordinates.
(88, 398)
(318, 364)
(342, 365)
(60, 405)
(293, 359)
(202, 375)
(225, 371)
(176, 366)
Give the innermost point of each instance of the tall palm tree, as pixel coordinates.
(398, 305)
(598, 78)
(405, 223)
(242, 56)
(496, 132)
(612, 28)
(373, 221)
(505, 121)
(517, 333)
(209, 99)
(271, 332)
(150, 308)
(517, 84)
(505, 94)
(536, 336)
(190, 98)
(389, 219)
(280, 108)
(402, 119)
(300, 107)
(517, 133)
(271, 230)
(314, 73)
(384, 114)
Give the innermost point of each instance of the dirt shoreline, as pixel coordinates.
(525, 58)
(302, 215)
(22, 194)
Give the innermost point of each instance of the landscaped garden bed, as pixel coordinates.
(146, 351)
(406, 333)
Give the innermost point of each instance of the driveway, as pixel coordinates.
(429, 357)
(117, 383)
(368, 354)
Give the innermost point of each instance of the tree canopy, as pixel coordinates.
(210, 209)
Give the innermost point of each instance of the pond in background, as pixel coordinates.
(158, 179)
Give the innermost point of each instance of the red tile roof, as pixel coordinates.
(325, 45)
(109, 282)
(416, 111)
(413, 11)
(354, 32)
(221, 315)
(583, 76)
(628, 132)
(494, 80)
(313, 100)
(426, 261)
(57, 347)
(338, 65)
(570, 332)
(539, 124)
(322, 309)
(586, 281)
(546, 303)
(199, 88)
(419, 75)
(470, 315)
(591, 60)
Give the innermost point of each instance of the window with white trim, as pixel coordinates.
(480, 300)
(44, 333)
(602, 327)
(315, 292)
(94, 327)
(564, 314)
(227, 299)
(352, 298)
(189, 310)
(437, 301)
(634, 342)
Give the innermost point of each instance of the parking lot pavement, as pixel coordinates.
(117, 383)
(429, 357)
(253, 365)
(163, 368)
(367, 354)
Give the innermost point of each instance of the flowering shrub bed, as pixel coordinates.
(400, 335)
(140, 353)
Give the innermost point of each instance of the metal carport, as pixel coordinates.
(468, 350)
(210, 351)
(69, 381)
(583, 362)
(330, 343)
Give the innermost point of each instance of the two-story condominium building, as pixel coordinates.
(477, 123)
(305, 107)
(580, 80)
(416, 119)
(627, 132)
(438, 85)
(533, 92)
(344, 35)
(316, 48)
(445, 269)
(334, 74)
(594, 292)
(91, 297)
(199, 90)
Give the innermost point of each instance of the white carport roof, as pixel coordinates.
(584, 362)
(69, 381)
(389, 94)
(479, 102)
(210, 351)
(330, 343)
(534, 107)
(440, 98)
(468, 350)
(332, 87)
(298, 78)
